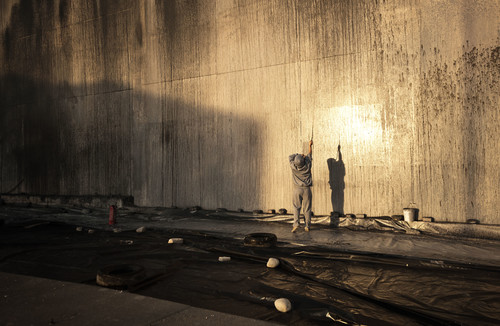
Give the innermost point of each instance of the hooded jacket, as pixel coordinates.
(301, 174)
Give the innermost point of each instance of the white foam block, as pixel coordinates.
(273, 263)
(283, 305)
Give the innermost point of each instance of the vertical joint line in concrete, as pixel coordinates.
(162, 107)
(297, 35)
(1, 167)
(130, 113)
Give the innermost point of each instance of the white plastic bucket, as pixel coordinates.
(410, 214)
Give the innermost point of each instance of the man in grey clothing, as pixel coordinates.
(302, 180)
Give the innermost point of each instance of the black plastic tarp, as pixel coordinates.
(324, 286)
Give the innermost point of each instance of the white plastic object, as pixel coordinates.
(224, 258)
(176, 240)
(273, 263)
(141, 229)
(283, 305)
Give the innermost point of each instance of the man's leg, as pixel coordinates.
(297, 205)
(307, 204)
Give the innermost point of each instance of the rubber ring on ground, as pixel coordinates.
(260, 240)
(118, 276)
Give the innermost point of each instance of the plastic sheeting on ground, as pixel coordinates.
(325, 286)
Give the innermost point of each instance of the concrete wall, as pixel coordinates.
(200, 102)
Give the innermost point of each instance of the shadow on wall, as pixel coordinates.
(193, 154)
(336, 170)
(161, 144)
(55, 141)
(58, 139)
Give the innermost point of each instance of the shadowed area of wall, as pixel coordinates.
(201, 102)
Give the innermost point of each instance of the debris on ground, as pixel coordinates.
(283, 305)
(273, 263)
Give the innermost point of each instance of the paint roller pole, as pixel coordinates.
(312, 127)
(307, 146)
(312, 134)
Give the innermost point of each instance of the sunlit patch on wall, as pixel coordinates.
(357, 128)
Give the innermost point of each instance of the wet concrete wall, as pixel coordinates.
(200, 102)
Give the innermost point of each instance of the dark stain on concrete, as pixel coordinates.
(495, 57)
(24, 15)
(64, 7)
(138, 33)
(7, 43)
(455, 110)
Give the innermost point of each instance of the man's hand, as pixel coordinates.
(310, 142)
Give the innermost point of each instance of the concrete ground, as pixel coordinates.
(27, 300)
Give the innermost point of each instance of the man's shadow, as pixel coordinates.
(337, 185)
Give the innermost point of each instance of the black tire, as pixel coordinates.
(282, 211)
(120, 276)
(260, 240)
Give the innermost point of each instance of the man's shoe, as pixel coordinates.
(295, 228)
(307, 229)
